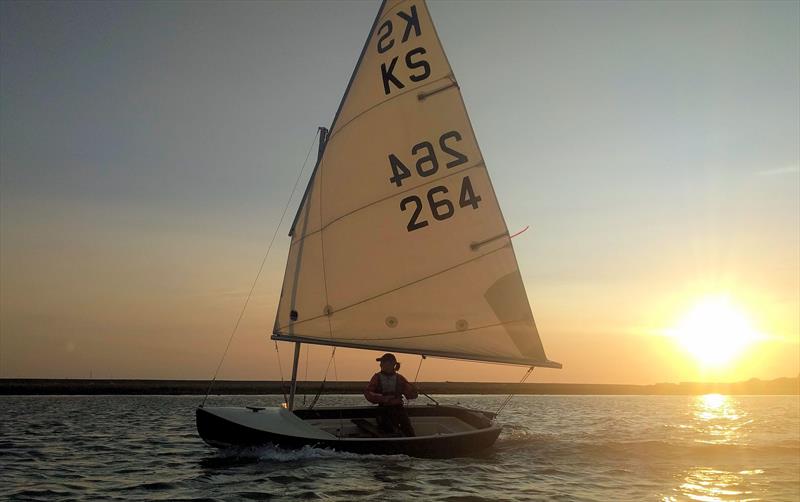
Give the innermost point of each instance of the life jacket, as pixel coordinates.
(398, 387)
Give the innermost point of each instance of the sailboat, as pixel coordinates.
(398, 245)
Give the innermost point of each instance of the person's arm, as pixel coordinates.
(371, 392)
(409, 390)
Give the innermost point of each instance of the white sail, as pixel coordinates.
(399, 243)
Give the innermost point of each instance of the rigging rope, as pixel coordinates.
(335, 372)
(258, 274)
(422, 358)
(280, 370)
(324, 379)
(508, 399)
(305, 393)
(336, 379)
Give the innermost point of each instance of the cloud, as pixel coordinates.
(776, 171)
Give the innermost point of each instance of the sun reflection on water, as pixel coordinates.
(710, 485)
(716, 420)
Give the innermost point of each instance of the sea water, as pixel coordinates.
(552, 448)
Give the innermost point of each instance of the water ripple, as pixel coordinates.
(552, 448)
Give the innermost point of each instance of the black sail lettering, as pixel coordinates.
(413, 65)
(412, 21)
(388, 76)
(383, 48)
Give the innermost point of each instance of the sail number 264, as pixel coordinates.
(426, 165)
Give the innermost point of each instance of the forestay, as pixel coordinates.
(399, 243)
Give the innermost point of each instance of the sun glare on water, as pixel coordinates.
(714, 331)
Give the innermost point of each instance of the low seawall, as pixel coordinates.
(16, 386)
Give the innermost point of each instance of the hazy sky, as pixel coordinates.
(148, 148)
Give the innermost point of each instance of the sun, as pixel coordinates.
(714, 331)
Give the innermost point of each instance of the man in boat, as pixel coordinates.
(386, 389)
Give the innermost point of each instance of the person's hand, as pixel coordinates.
(395, 401)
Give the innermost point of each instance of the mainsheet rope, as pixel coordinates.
(260, 269)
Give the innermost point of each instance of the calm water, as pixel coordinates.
(553, 447)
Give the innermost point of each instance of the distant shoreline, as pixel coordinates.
(31, 386)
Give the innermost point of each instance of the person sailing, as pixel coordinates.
(386, 389)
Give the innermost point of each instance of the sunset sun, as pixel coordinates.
(714, 331)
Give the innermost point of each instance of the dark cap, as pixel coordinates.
(387, 357)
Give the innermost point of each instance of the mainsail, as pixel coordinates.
(399, 243)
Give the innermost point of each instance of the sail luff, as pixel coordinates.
(324, 136)
(336, 116)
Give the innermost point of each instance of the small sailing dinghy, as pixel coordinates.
(398, 245)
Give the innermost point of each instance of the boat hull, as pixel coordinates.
(241, 428)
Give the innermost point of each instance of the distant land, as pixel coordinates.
(26, 386)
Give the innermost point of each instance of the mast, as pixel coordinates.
(323, 136)
(294, 375)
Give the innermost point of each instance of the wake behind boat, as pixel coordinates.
(398, 245)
